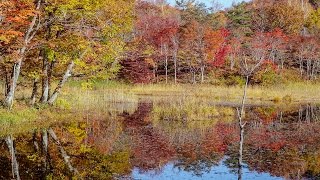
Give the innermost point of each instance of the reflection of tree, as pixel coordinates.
(150, 149)
(281, 145)
(59, 153)
(282, 142)
(202, 149)
(14, 162)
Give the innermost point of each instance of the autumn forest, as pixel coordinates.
(156, 89)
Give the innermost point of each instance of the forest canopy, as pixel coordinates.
(46, 41)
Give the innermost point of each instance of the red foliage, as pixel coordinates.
(217, 46)
(269, 63)
(155, 26)
(136, 70)
(220, 57)
(15, 15)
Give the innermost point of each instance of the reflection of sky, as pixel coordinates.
(221, 171)
(225, 3)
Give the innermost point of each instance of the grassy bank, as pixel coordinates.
(82, 100)
(291, 92)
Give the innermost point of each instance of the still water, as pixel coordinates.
(161, 140)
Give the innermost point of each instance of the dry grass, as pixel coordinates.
(294, 92)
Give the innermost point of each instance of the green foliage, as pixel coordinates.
(240, 18)
(22, 115)
(63, 104)
(235, 80)
(268, 77)
(313, 21)
(107, 166)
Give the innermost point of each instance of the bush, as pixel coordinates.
(268, 77)
(235, 80)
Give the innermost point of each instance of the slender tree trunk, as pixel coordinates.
(14, 162)
(45, 152)
(166, 61)
(175, 69)
(34, 140)
(202, 74)
(175, 59)
(241, 126)
(240, 153)
(34, 91)
(166, 66)
(64, 79)
(301, 66)
(45, 79)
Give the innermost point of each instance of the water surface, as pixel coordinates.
(165, 140)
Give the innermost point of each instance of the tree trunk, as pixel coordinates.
(34, 91)
(202, 74)
(13, 83)
(240, 153)
(64, 79)
(175, 69)
(166, 66)
(14, 162)
(175, 59)
(34, 140)
(45, 152)
(45, 80)
(241, 126)
(29, 35)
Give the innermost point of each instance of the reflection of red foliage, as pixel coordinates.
(218, 139)
(150, 149)
(265, 139)
(267, 118)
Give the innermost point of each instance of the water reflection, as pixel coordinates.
(166, 141)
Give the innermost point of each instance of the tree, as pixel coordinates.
(313, 22)
(20, 35)
(89, 35)
(158, 27)
(240, 19)
(307, 53)
(286, 17)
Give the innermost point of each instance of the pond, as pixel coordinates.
(171, 140)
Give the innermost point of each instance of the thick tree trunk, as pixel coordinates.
(64, 79)
(13, 83)
(64, 154)
(14, 162)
